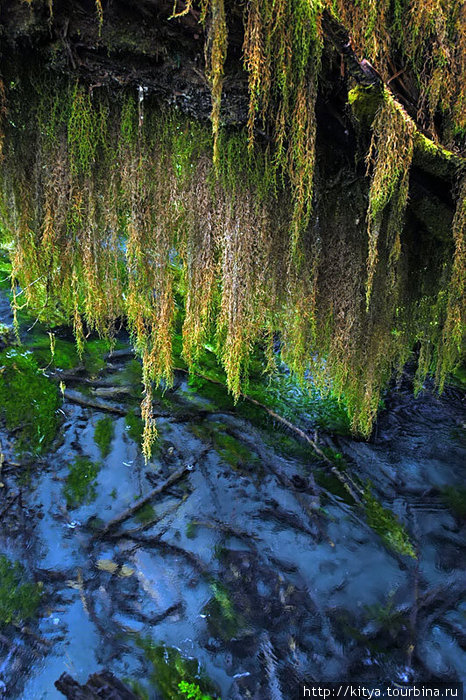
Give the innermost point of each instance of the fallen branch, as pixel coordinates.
(75, 397)
(172, 479)
(8, 505)
(226, 529)
(100, 685)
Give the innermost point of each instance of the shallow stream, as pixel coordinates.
(256, 565)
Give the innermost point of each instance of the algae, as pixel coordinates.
(170, 668)
(104, 432)
(386, 524)
(145, 514)
(80, 484)
(455, 498)
(19, 599)
(134, 427)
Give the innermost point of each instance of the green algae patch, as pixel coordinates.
(94, 356)
(175, 676)
(104, 432)
(145, 514)
(28, 402)
(387, 526)
(223, 620)
(134, 426)
(19, 599)
(454, 498)
(80, 484)
(234, 452)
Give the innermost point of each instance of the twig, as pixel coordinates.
(193, 559)
(9, 504)
(227, 529)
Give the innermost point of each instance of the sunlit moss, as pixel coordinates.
(28, 401)
(170, 669)
(136, 223)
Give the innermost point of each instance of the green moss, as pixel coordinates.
(192, 691)
(434, 159)
(233, 452)
(28, 402)
(385, 524)
(134, 426)
(137, 687)
(80, 484)
(145, 514)
(64, 355)
(455, 498)
(365, 102)
(388, 618)
(95, 350)
(222, 618)
(104, 432)
(191, 530)
(19, 599)
(5, 270)
(170, 669)
(458, 376)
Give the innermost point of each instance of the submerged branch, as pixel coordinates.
(172, 479)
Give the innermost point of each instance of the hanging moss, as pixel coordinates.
(128, 217)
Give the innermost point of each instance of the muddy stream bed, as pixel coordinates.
(256, 569)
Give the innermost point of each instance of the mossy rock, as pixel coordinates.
(28, 401)
(19, 599)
